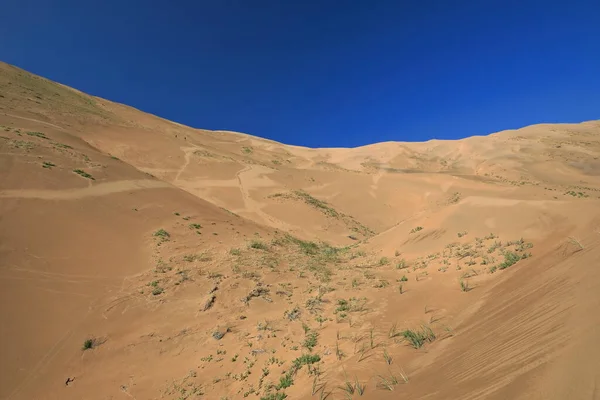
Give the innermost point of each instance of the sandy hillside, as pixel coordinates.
(144, 259)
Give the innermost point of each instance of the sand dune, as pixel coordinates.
(140, 258)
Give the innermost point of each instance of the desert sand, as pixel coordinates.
(143, 259)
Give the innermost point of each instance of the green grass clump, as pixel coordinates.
(37, 134)
(257, 244)
(48, 164)
(417, 229)
(351, 305)
(311, 340)
(84, 174)
(309, 248)
(417, 338)
(195, 226)
(285, 381)
(510, 259)
(157, 290)
(88, 344)
(305, 359)
(161, 233)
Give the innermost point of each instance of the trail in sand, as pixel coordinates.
(101, 189)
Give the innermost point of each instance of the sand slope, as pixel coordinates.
(195, 261)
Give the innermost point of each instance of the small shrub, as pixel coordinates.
(162, 234)
(48, 164)
(384, 261)
(404, 279)
(292, 314)
(257, 244)
(195, 226)
(157, 290)
(88, 344)
(218, 334)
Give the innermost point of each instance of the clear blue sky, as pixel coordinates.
(322, 73)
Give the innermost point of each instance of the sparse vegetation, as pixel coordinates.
(285, 381)
(416, 229)
(418, 337)
(48, 164)
(38, 134)
(319, 204)
(310, 340)
(257, 244)
(351, 305)
(83, 174)
(157, 290)
(510, 259)
(305, 359)
(275, 396)
(162, 234)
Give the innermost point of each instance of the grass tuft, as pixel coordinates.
(417, 338)
(88, 344)
(257, 244)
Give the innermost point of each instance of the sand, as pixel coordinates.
(144, 259)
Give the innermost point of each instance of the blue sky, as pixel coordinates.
(322, 73)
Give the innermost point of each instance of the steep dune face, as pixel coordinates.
(191, 262)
